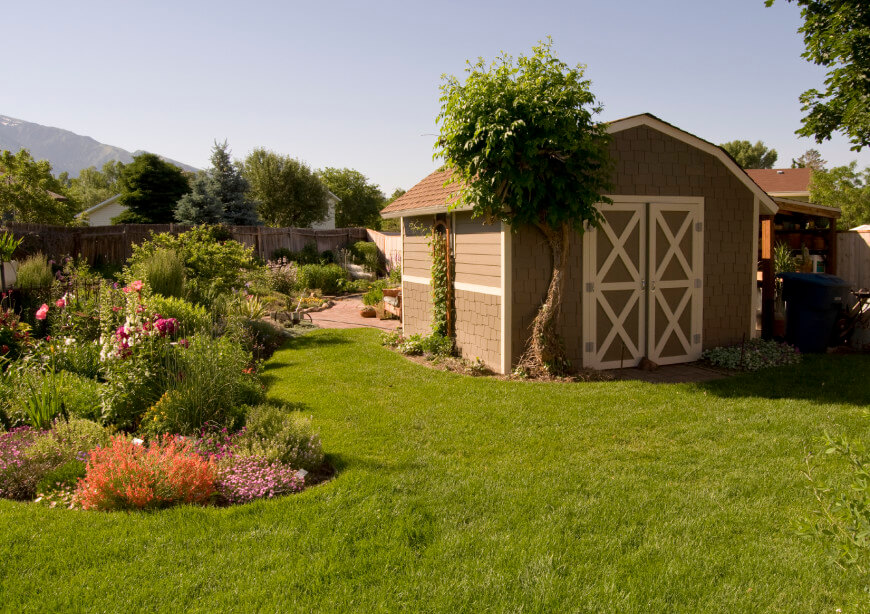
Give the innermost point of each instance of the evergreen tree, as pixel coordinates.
(150, 189)
(202, 205)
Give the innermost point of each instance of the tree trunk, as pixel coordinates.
(546, 350)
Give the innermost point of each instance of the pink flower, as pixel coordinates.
(42, 312)
(60, 303)
(136, 285)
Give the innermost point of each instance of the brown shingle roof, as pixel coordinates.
(781, 180)
(428, 193)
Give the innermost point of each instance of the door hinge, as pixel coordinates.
(696, 338)
(698, 283)
(590, 287)
(699, 226)
(590, 346)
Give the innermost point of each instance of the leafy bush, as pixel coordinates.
(244, 478)
(325, 277)
(212, 264)
(308, 255)
(14, 335)
(163, 270)
(18, 474)
(125, 476)
(366, 253)
(206, 383)
(755, 354)
(34, 272)
(278, 433)
(258, 337)
(68, 440)
(191, 318)
(434, 345)
(374, 296)
(58, 486)
(282, 275)
(246, 305)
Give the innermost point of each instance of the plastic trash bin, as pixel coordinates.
(813, 303)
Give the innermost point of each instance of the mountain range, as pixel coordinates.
(67, 151)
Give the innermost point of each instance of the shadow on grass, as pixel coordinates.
(819, 378)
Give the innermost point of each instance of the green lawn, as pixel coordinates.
(462, 494)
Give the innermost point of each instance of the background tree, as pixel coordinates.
(150, 188)
(30, 193)
(93, 186)
(218, 195)
(810, 159)
(748, 155)
(287, 191)
(361, 201)
(837, 36)
(202, 205)
(524, 149)
(392, 224)
(846, 188)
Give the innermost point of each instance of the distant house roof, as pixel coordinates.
(430, 195)
(99, 206)
(782, 181)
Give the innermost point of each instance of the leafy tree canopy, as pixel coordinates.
(844, 187)
(524, 148)
(392, 224)
(361, 202)
(30, 193)
(93, 186)
(811, 159)
(150, 188)
(287, 191)
(837, 36)
(219, 195)
(748, 155)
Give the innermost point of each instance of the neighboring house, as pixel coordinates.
(329, 222)
(102, 213)
(671, 272)
(790, 183)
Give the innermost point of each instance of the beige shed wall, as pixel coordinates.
(103, 216)
(478, 327)
(416, 260)
(651, 163)
(416, 309)
(477, 251)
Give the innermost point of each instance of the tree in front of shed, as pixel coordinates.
(520, 138)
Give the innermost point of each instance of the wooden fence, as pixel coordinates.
(389, 245)
(853, 257)
(114, 244)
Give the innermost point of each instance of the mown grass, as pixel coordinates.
(461, 494)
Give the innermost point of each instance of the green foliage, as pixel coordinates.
(841, 520)
(392, 224)
(810, 159)
(163, 270)
(374, 296)
(191, 318)
(34, 272)
(837, 37)
(67, 474)
(68, 440)
(150, 188)
(521, 141)
(212, 265)
(246, 305)
(755, 354)
(8, 245)
(844, 187)
(43, 400)
(30, 193)
(282, 275)
(324, 277)
(442, 292)
(287, 191)
(279, 433)
(219, 195)
(783, 260)
(206, 383)
(360, 202)
(94, 186)
(748, 155)
(419, 345)
(367, 254)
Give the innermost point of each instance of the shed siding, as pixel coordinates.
(651, 163)
(478, 327)
(477, 251)
(532, 264)
(416, 259)
(416, 309)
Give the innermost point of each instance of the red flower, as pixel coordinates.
(42, 312)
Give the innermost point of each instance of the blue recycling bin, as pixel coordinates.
(813, 304)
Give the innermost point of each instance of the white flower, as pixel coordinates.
(137, 441)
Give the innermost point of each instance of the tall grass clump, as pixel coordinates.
(191, 318)
(163, 269)
(324, 277)
(34, 272)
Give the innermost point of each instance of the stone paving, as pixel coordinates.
(345, 314)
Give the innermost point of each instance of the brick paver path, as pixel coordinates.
(345, 314)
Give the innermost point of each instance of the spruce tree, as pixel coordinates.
(232, 189)
(202, 205)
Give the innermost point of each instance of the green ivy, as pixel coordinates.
(442, 293)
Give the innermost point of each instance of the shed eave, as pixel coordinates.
(388, 215)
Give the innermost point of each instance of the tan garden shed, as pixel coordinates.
(671, 272)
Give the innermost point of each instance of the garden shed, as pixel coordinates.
(671, 272)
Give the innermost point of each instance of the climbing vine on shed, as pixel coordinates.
(442, 275)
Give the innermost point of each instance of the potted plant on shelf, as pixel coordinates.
(783, 262)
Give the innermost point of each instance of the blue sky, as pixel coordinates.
(352, 84)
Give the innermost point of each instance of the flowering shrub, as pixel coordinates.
(18, 474)
(126, 475)
(278, 433)
(190, 318)
(68, 440)
(282, 274)
(755, 354)
(14, 335)
(245, 478)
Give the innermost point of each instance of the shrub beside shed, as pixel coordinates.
(671, 272)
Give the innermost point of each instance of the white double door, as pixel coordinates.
(643, 283)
